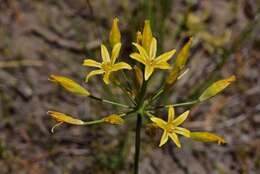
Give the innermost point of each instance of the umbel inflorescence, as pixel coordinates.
(144, 63)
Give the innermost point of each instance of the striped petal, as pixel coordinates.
(106, 78)
(153, 48)
(141, 50)
(138, 57)
(120, 65)
(92, 63)
(93, 73)
(148, 72)
(170, 114)
(182, 131)
(165, 56)
(115, 52)
(104, 54)
(179, 120)
(175, 139)
(159, 122)
(162, 65)
(164, 138)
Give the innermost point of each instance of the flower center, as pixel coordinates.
(170, 127)
(106, 66)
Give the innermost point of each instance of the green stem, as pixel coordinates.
(178, 104)
(108, 101)
(137, 142)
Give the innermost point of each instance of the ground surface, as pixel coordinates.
(39, 38)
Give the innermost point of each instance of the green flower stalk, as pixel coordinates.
(142, 105)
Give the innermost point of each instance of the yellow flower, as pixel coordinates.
(114, 35)
(207, 137)
(113, 119)
(216, 88)
(171, 127)
(61, 117)
(69, 84)
(108, 64)
(150, 60)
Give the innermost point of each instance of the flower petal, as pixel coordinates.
(159, 122)
(182, 131)
(162, 65)
(92, 63)
(106, 78)
(164, 138)
(170, 114)
(153, 48)
(179, 120)
(104, 54)
(93, 73)
(138, 57)
(165, 56)
(148, 72)
(141, 50)
(115, 52)
(175, 139)
(120, 65)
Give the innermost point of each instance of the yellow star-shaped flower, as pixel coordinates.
(150, 60)
(171, 128)
(108, 64)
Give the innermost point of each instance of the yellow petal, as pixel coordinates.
(138, 57)
(182, 131)
(183, 55)
(120, 65)
(139, 37)
(216, 87)
(153, 48)
(69, 84)
(207, 137)
(106, 78)
(179, 120)
(175, 139)
(114, 35)
(159, 122)
(164, 138)
(93, 73)
(165, 56)
(115, 52)
(138, 75)
(148, 72)
(113, 119)
(162, 65)
(92, 63)
(104, 54)
(147, 35)
(61, 117)
(142, 51)
(170, 114)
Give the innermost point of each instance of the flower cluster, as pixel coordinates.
(144, 61)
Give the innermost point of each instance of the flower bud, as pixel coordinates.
(70, 85)
(114, 35)
(207, 137)
(113, 119)
(216, 88)
(60, 117)
(147, 35)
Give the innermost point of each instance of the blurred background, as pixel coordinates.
(43, 37)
